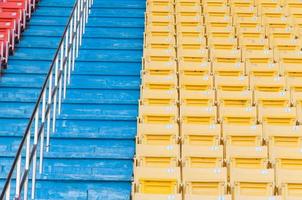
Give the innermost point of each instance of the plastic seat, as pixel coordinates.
(8, 26)
(198, 197)
(234, 98)
(205, 181)
(158, 114)
(153, 181)
(282, 138)
(162, 156)
(158, 97)
(189, 16)
(194, 156)
(13, 18)
(241, 3)
(159, 82)
(242, 136)
(290, 62)
(221, 32)
(200, 135)
(201, 116)
(223, 44)
(158, 64)
(187, 6)
(248, 22)
(218, 22)
(195, 82)
(260, 63)
(282, 46)
(191, 43)
(220, 11)
(268, 84)
(197, 98)
(272, 99)
(227, 63)
(251, 33)
(138, 196)
(252, 184)
(238, 116)
(160, 6)
(243, 12)
(247, 44)
(288, 165)
(157, 134)
(19, 7)
(278, 116)
(228, 83)
(267, 4)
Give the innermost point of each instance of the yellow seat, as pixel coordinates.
(288, 165)
(242, 136)
(159, 82)
(205, 181)
(158, 97)
(234, 98)
(229, 83)
(227, 63)
(189, 16)
(267, 4)
(222, 44)
(268, 84)
(160, 18)
(252, 184)
(200, 135)
(247, 44)
(158, 5)
(159, 156)
(201, 116)
(243, 12)
(195, 82)
(160, 54)
(197, 98)
(194, 156)
(282, 138)
(187, 6)
(220, 32)
(247, 22)
(251, 33)
(148, 180)
(216, 11)
(290, 63)
(272, 99)
(157, 134)
(278, 116)
(138, 196)
(263, 59)
(218, 22)
(241, 3)
(207, 197)
(238, 115)
(191, 43)
(158, 114)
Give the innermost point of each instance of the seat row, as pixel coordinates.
(14, 15)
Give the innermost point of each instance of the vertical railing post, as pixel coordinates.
(27, 155)
(33, 187)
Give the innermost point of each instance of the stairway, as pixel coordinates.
(92, 149)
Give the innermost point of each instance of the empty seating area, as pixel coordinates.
(220, 111)
(14, 15)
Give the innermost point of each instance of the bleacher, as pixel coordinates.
(220, 106)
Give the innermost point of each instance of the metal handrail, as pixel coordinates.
(49, 104)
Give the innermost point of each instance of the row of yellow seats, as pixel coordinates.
(290, 4)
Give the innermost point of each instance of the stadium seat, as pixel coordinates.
(290, 62)
(278, 116)
(157, 155)
(158, 114)
(157, 134)
(238, 115)
(159, 82)
(200, 135)
(195, 82)
(205, 182)
(229, 83)
(139, 196)
(152, 181)
(197, 98)
(201, 116)
(234, 98)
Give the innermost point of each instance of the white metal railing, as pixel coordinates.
(47, 108)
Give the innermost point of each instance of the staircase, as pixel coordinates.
(92, 149)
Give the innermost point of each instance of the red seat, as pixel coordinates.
(9, 26)
(13, 18)
(25, 3)
(4, 38)
(15, 7)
